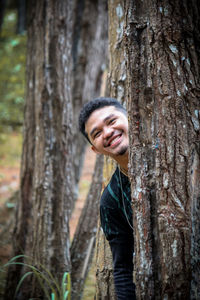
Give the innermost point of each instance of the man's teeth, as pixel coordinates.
(114, 140)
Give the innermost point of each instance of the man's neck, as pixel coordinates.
(123, 163)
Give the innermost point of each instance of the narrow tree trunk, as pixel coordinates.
(90, 60)
(90, 39)
(116, 88)
(117, 79)
(163, 59)
(46, 181)
(21, 16)
(105, 289)
(2, 12)
(84, 240)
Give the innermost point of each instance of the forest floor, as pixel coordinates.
(9, 184)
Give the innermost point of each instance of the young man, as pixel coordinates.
(103, 121)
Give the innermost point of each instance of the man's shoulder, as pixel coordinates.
(111, 191)
(114, 178)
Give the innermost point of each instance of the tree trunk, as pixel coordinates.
(84, 240)
(46, 179)
(116, 88)
(2, 12)
(117, 79)
(105, 289)
(90, 39)
(21, 16)
(90, 59)
(163, 60)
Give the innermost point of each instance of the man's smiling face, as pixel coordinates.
(107, 129)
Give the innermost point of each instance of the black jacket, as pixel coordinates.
(116, 221)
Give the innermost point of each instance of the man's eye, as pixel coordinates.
(97, 134)
(111, 121)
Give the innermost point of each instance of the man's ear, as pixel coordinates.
(95, 150)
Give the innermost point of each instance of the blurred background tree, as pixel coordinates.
(12, 67)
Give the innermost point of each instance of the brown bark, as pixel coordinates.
(117, 79)
(104, 269)
(105, 289)
(45, 191)
(162, 49)
(90, 39)
(82, 248)
(90, 60)
(116, 88)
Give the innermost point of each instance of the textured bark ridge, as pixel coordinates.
(89, 53)
(82, 248)
(163, 60)
(105, 289)
(117, 85)
(105, 283)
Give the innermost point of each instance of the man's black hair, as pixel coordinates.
(93, 105)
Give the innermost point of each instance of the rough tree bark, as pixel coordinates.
(46, 181)
(90, 48)
(117, 79)
(105, 289)
(90, 59)
(84, 238)
(163, 65)
(116, 88)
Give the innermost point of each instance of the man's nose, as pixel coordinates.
(108, 132)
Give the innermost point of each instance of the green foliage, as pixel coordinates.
(49, 285)
(10, 150)
(90, 283)
(12, 74)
